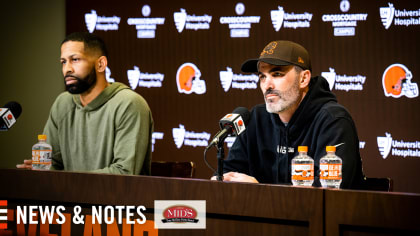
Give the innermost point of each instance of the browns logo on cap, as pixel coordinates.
(280, 53)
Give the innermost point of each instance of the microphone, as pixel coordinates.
(9, 114)
(231, 124)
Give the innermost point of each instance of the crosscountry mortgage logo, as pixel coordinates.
(145, 26)
(344, 82)
(138, 78)
(237, 81)
(188, 79)
(396, 82)
(191, 22)
(344, 24)
(399, 17)
(180, 214)
(3, 214)
(104, 23)
(189, 138)
(400, 148)
(290, 20)
(239, 25)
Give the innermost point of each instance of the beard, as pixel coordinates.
(83, 84)
(285, 100)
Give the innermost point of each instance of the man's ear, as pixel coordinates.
(305, 78)
(101, 64)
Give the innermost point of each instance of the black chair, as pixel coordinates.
(173, 169)
(378, 184)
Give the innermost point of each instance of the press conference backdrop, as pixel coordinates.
(367, 50)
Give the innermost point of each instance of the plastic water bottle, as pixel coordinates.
(302, 168)
(41, 154)
(330, 169)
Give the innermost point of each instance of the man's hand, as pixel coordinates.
(27, 164)
(237, 177)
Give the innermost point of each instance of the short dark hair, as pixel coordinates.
(89, 40)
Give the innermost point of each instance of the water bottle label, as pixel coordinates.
(330, 171)
(41, 157)
(302, 172)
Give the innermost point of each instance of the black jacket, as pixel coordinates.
(266, 148)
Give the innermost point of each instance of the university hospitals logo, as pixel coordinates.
(290, 20)
(138, 78)
(228, 79)
(396, 82)
(399, 148)
(191, 22)
(387, 15)
(403, 17)
(188, 79)
(189, 138)
(344, 82)
(384, 145)
(104, 23)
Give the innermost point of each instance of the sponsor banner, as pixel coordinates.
(400, 17)
(189, 138)
(180, 214)
(344, 82)
(191, 22)
(188, 79)
(396, 82)
(399, 148)
(108, 75)
(101, 23)
(156, 136)
(146, 26)
(144, 79)
(344, 24)
(239, 25)
(237, 81)
(292, 20)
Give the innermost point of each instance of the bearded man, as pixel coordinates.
(96, 126)
(299, 110)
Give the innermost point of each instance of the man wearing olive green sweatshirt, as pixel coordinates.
(96, 126)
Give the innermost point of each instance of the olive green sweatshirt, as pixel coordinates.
(112, 134)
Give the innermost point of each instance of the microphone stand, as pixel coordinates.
(220, 158)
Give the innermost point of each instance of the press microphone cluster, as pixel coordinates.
(231, 124)
(9, 114)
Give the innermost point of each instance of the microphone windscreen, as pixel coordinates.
(15, 108)
(243, 111)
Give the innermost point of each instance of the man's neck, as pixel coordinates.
(91, 94)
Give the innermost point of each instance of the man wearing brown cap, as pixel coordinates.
(299, 110)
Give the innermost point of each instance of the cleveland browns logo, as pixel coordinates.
(269, 49)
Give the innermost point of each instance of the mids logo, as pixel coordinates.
(3, 214)
(396, 82)
(189, 138)
(188, 79)
(138, 78)
(239, 25)
(344, 24)
(228, 79)
(191, 22)
(156, 136)
(108, 75)
(290, 20)
(344, 82)
(104, 23)
(400, 148)
(146, 26)
(180, 214)
(399, 17)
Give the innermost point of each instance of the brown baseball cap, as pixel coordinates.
(280, 53)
